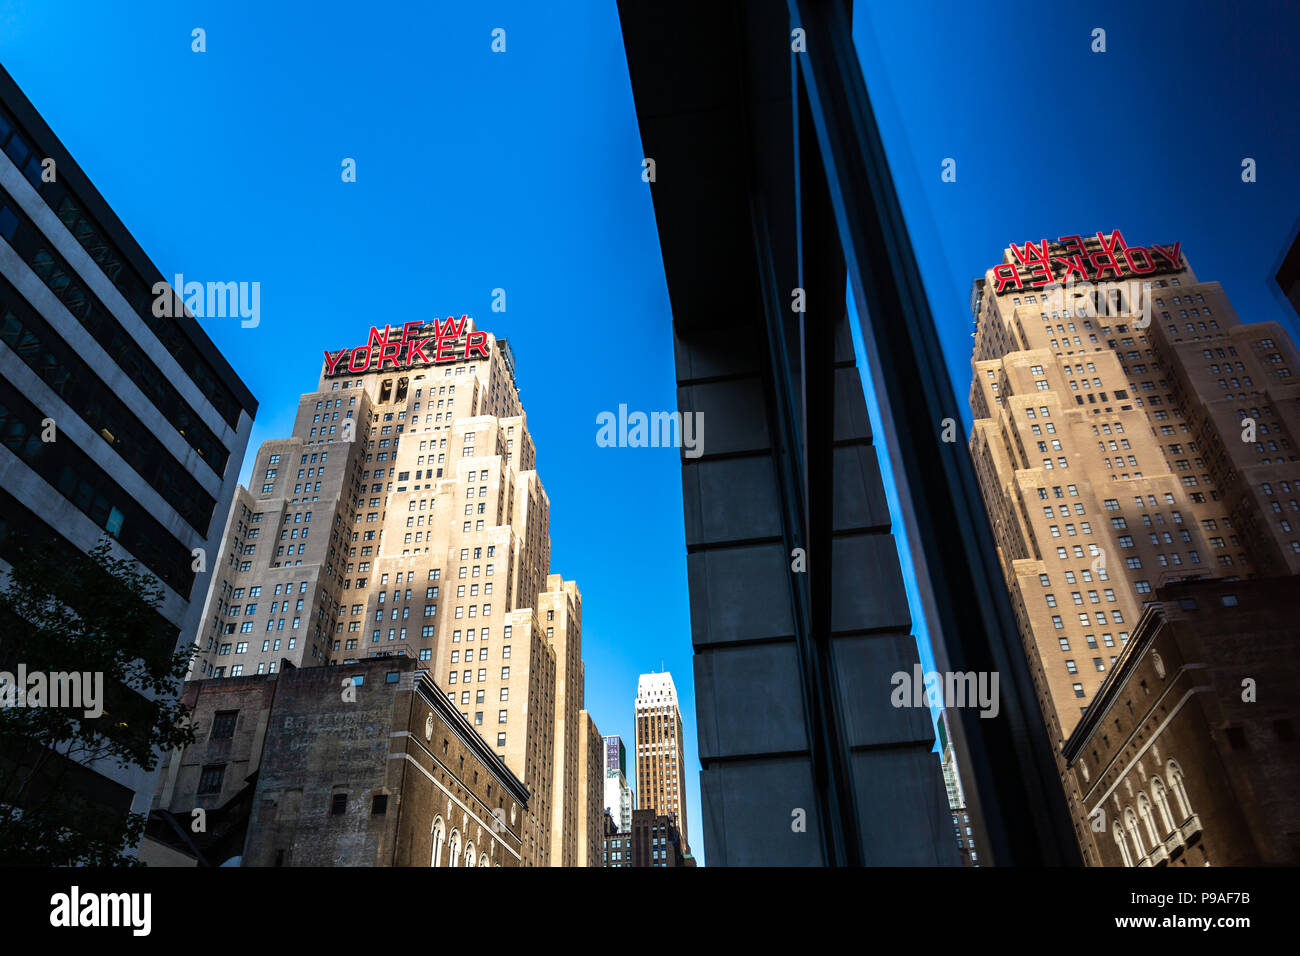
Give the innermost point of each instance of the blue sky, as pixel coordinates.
(522, 171)
(1052, 139)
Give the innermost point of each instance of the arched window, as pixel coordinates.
(1118, 833)
(1148, 821)
(1131, 825)
(453, 854)
(470, 859)
(439, 841)
(483, 860)
(1175, 775)
(1160, 797)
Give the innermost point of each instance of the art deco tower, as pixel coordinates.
(1125, 437)
(405, 516)
(660, 759)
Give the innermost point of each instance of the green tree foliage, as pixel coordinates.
(64, 611)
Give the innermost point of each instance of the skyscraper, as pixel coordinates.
(660, 760)
(117, 423)
(618, 795)
(963, 828)
(1129, 432)
(405, 511)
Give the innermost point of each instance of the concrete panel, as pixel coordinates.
(735, 418)
(730, 500)
(739, 594)
(867, 586)
(864, 666)
(851, 421)
(749, 811)
(903, 808)
(859, 494)
(748, 701)
(714, 350)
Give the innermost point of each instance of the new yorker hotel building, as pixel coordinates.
(149, 416)
(405, 516)
(1113, 445)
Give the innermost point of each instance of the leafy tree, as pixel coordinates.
(65, 611)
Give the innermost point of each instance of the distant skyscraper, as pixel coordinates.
(660, 762)
(618, 796)
(964, 830)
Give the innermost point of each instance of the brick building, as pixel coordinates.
(364, 764)
(656, 841)
(1188, 755)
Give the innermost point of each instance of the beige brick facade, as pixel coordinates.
(406, 512)
(1109, 442)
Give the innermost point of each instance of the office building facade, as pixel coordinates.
(660, 758)
(405, 511)
(1129, 433)
(963, 827)
(117, 423)
(656, 840)
(617, 845)
(618, 795)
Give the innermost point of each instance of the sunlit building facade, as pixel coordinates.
(1129, 433)
(405, 511)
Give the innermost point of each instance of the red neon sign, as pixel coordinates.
(1035, 263)
(406, 347)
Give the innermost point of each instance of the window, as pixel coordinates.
(338, 804)
(210, 779)
(223, 725)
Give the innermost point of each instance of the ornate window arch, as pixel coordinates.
(1131, 825)
(1175, 775)
(1160, 797)
(453, 853)
(483, 860)
(439, 841)
(470, 859)
(1148, 820)
(1118, 834)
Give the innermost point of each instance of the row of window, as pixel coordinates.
(103, 327)
(135, 289)
(68, 375)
